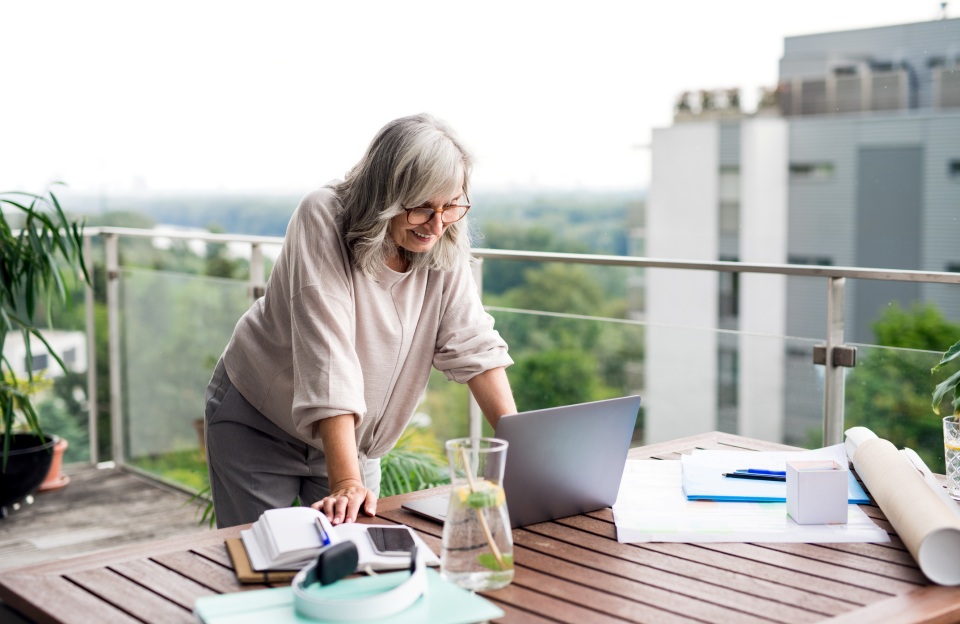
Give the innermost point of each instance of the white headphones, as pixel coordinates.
(335, 562)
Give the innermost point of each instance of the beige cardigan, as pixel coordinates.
(326, 340)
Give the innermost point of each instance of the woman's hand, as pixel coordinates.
(347, 493)
(346, 500)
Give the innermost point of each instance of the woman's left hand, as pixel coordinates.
(346, 500)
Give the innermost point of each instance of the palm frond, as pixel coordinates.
(410, 467)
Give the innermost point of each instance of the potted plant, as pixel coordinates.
(951, 424)
(950, 384)
(37, 242)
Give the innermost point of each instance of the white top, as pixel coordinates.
(326, 340)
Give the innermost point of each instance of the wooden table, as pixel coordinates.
(571, 570)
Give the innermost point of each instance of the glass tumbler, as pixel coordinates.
(951, 453)
(477, 548)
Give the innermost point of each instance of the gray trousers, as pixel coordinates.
(255, 465)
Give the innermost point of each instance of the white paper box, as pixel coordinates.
(817, 492)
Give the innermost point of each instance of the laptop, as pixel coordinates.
(561, 461)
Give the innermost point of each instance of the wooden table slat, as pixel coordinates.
(633, 593)
(640, 587)
(930, 604)
(603, 603)
(520, 597)
(784, 575)
(516, 615)
(909, 573)
(216, 577)
(131, 597)
(806, 565)
(695, 581)
(216, 554)
(52, 598)
(176, 587)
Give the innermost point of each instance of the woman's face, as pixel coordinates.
(421, 238)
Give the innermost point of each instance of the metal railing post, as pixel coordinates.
(90, 309)
(833, 390)
(473, 410)
(113, 325)
(257, 285)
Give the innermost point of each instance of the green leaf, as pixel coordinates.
(31, 260)
(490, 562)
(483, 499)
(950, 355)
(942, 389)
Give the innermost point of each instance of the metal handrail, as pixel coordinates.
(937, 277)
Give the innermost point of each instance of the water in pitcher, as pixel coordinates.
(477, 551)
(951, 453)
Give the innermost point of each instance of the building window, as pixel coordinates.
(69, 356)
(810, 260)
(888, 90)
(813, 97)
(729, 285)
(848, 94)
(953, 169)
(811, 171)
(729, 184)
(39, 362)
(729, 218)
(728, 373)
(947, 81)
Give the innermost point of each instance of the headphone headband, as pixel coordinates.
(329, 567)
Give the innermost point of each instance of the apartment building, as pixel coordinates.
(852, 160)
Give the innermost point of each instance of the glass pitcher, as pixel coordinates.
(477, 549)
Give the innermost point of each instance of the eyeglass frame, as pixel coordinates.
(434, 212)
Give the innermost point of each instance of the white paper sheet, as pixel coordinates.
(651, 507)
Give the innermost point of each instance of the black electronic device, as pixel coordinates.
(391, 540)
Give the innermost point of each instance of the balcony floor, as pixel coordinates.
(98, 509)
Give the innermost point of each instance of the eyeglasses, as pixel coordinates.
(448, 214)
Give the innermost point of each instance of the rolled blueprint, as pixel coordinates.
(929, 528)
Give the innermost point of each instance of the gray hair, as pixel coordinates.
(409, 162)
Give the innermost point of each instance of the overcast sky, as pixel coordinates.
(231, 96)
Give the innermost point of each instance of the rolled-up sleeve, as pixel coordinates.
(327, 376)
(467, 343)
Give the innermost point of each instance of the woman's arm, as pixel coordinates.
(347, 493)
(492, 391)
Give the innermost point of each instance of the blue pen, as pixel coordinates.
(779, 473)
(757, 477)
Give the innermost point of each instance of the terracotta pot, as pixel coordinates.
(55, 479)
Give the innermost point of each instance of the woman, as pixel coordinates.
(372, 287)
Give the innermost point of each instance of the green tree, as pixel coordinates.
(500, 276)
(218, 261)
(556, 377)
(889, 390)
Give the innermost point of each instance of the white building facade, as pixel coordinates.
(857, 165)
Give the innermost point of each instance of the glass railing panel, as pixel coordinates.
(174, 328)
(60, 396)
(691, 380)
(761, 386)
(889, 392)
